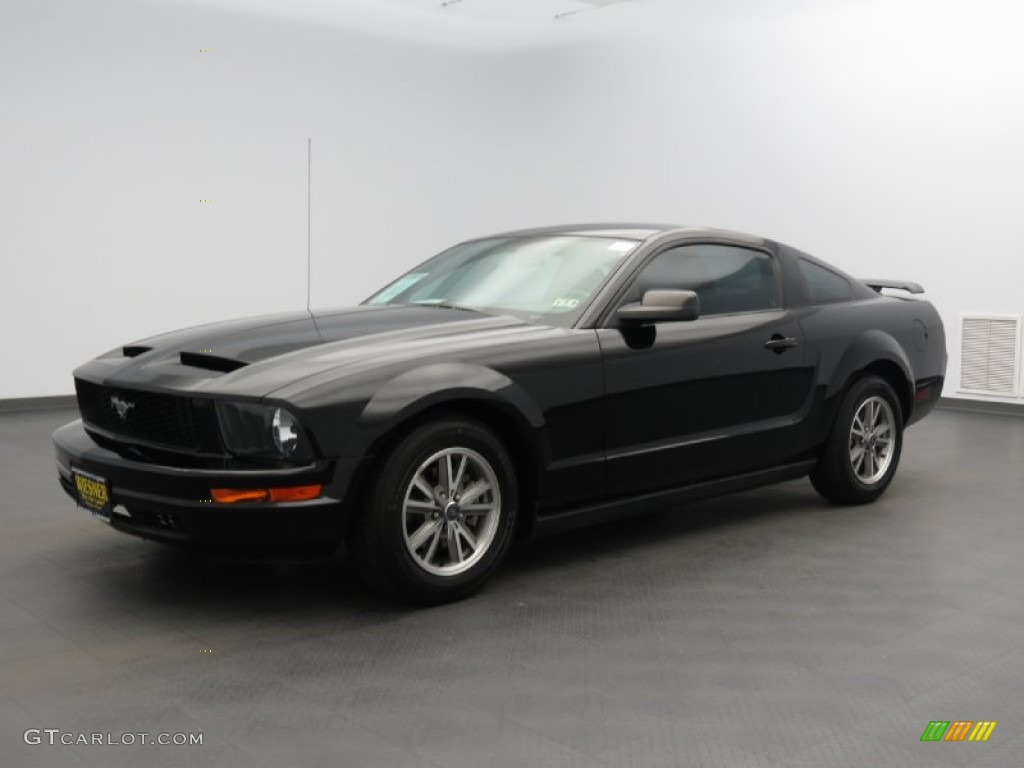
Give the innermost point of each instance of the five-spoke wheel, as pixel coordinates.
(860, 456)
(452, 507)
(871, 439)
(439, 513)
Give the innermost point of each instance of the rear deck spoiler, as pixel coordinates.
(901, 285)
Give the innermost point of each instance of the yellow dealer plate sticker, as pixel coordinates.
(93, 492)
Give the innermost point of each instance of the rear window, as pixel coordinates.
(823, 284)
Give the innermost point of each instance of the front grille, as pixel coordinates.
(180, 423)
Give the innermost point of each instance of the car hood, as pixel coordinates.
(254, 356)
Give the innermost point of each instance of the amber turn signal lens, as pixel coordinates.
(230, 495)
(293, 493)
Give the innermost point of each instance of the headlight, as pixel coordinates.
(286, 431)
(257, 430)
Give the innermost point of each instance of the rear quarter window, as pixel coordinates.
(824, 285)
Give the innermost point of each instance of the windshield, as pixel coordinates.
(548, 278)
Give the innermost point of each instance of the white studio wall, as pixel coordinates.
(882, 136)
(153, 166)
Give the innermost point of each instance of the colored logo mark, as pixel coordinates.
(958, 730)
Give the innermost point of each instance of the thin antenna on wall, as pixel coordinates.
(309, 219)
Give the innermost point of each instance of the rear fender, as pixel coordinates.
(871, 348)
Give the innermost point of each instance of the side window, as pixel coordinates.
(824, 285)
(726, 278)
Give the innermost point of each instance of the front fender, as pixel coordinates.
(421, 388)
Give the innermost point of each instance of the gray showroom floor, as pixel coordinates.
(766, 629)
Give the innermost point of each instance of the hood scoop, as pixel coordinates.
(134, 350)
(211, 362)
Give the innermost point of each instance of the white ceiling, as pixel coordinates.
(495, 24)
(511, 10)
(473, 23)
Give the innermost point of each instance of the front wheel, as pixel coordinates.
(863, 450)
(439, 513)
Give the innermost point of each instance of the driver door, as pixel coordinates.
(694, 400)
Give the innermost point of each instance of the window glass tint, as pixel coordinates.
(545, 277)
(725, 278)
(824, 284)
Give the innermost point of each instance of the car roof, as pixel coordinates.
(627, 231)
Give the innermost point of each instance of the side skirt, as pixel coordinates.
(659, 500)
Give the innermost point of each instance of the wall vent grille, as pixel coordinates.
(989, 354)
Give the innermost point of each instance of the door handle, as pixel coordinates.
(779, 343)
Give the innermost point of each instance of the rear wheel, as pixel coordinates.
(439, 513)
(861, 454)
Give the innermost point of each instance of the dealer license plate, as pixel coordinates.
(93, 493)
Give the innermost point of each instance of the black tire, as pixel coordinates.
(379, 540)
(841, 477)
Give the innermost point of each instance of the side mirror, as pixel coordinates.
(661, 306)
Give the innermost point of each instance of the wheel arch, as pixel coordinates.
(897, 379)
(876, 352)
(501, 406)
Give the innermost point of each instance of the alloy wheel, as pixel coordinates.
(451, 511)
(872, 439)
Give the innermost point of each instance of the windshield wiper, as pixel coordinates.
(447, 305)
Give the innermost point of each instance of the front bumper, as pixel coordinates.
(172, 504)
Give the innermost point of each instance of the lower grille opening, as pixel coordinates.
(167, 522)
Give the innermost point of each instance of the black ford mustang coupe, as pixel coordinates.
(527, 383)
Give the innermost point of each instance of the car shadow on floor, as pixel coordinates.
(194, 584)
(674, 524)
(335, 579)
